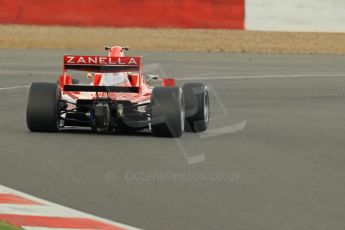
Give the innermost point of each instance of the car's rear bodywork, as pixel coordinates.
(105, 106)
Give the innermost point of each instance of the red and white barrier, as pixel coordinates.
(227, 14)
(33, 213)
(268, 15)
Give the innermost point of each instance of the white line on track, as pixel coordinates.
(10, 71)
(263, 76)
(14, 87)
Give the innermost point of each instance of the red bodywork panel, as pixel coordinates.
(168, 82)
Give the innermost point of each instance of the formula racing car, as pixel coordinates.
(116, 96)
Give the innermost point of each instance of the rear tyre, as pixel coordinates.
(167, 112)
(42, 108)
(197, 107)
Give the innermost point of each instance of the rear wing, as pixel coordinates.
(102, 64)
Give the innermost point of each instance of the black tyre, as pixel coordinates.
(167, 112)
(197, 106)
(42, 108)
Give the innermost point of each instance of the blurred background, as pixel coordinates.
(176, 25)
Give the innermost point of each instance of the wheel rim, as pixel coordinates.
(206, 107)
(182, 114)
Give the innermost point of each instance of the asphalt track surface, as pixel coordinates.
(284, 170)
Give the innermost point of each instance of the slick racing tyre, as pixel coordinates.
(197, 107)
(42, 108)
(167, 112)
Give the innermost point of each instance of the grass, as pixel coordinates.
(6, 226)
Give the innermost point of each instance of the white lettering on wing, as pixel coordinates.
(70, 59)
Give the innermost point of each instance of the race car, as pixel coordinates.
(118, 96)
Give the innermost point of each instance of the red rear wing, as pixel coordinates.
(102, 64)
